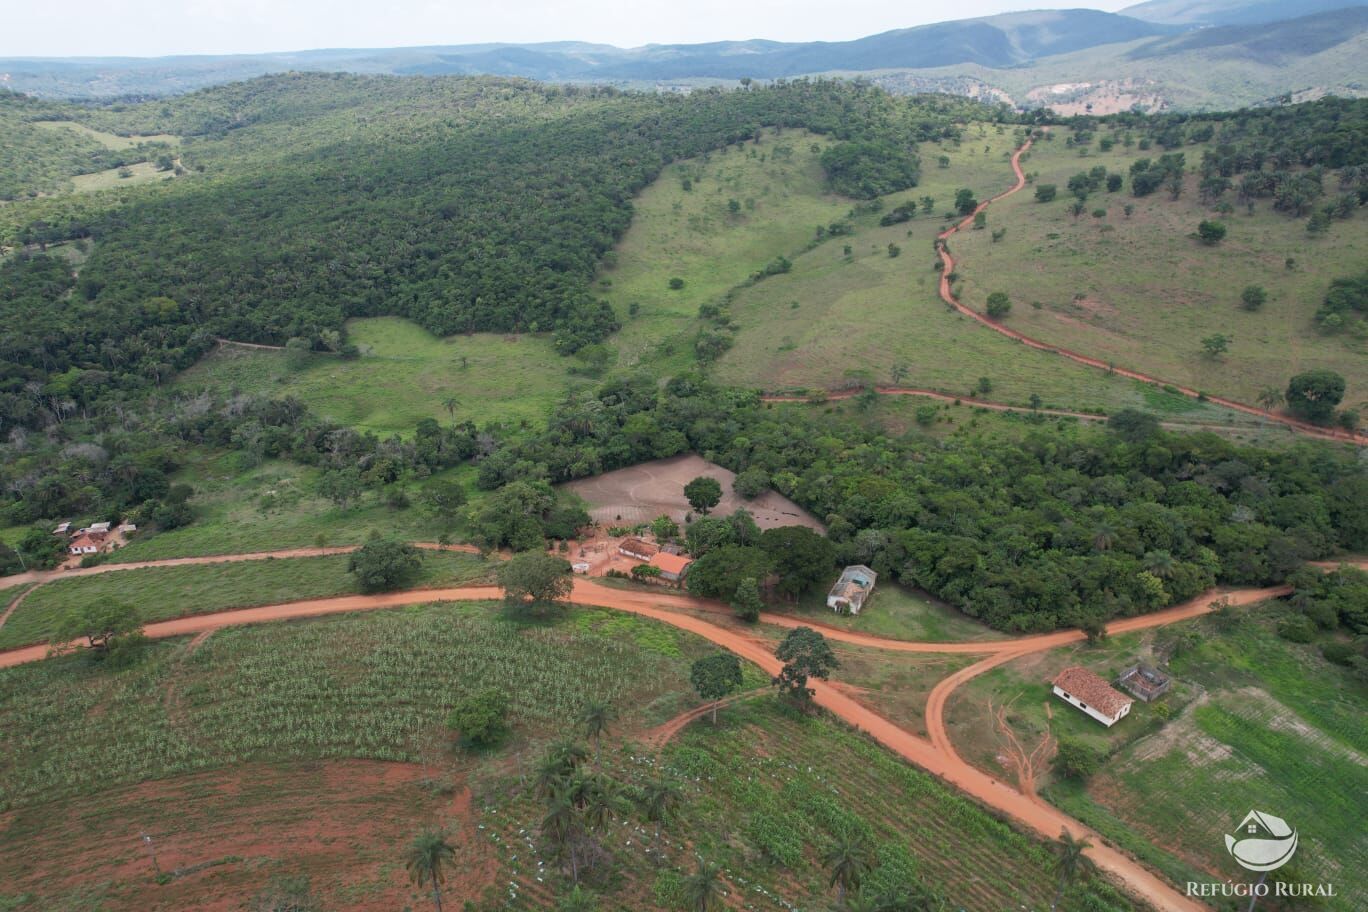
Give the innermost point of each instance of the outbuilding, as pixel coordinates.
(852, 589)
(637, 548)
(672, 567)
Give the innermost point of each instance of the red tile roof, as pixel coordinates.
(670, 563)
(637, 546)
(1078, 682)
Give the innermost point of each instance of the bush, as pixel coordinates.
(1045, 193)
(1077, 759)
(1211, 232)
(1297, 629)
(676, 283)
(480, 718)
(1339, 653)
(999, 305)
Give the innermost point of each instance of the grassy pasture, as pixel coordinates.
(1141, 292)
(895, 612)
(167, 592)
(693, 235)
(404, 374)
(837, 316)
(140, 173)
(1254, 721)
(108, 140)
(267, 507)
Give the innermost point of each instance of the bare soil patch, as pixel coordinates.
(233, 832)
(640, 493)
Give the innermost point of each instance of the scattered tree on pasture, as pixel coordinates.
(999, 305)
(1313, 394)
(384, 564)
(703, 493)
(806, 654)
(534, 580)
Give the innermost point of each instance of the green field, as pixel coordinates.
(240, 508)
(895, 612)
(1252, 720)
(1139, 291)
(838, 318)
(694, 236)
(139, 173)
(167, 592)
(404, 374)
(108, 140)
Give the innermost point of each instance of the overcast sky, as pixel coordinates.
(147, 28)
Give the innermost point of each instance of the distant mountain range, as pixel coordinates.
(1112, 58)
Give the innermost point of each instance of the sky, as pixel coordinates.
(151, 28)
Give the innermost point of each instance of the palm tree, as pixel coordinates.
(703, 888)
(1160, 563)
(1104, 536)
(427, 856)
(603, 800)
(596, 719)
(1068, 861)
(561, 827)
(848, 859)
(560, 763)
(658, 800)
(577, 901)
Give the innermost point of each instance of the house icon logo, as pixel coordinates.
(1264, 842)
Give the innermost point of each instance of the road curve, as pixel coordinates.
(936, 758)
(948, 296)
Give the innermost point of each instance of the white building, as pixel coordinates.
(1081, 688)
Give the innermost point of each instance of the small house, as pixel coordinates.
(86, 542)
(100, 528)
(852, 589)
(62, 528)
(1081, 688)
(672, 567)
(637, 548)
(1144, 683)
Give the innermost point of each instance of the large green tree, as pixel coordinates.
(1313, 395)
(718, 573)
(535, 580)
(716, 676)
(802, 558)
(384, 564)
(806, 654)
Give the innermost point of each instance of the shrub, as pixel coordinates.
(1297, 629)
(480, 718)
(1077, 759)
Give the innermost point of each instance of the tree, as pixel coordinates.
(1045, 193)
(1068, 861)
(577, 900)
(658, 800)
(676, 283)
(1216, 345)
(703, 493)
(703, 888)
(800, 556)
(1314, 394)
(341, 486)
(1211, 232)
(451, 403)
(1160, 563)
(746, 601)
(428, 857)
(965, 203)
(1133, 425)
(109, 628)
(444, 495)
(534, 579)
(384, 564)
(664, 528)
(1077, 759)
(848, 859)
(1104, 536)
(481, 718)
(751, 482)
(898, 372)
(596, 718)
(1253, 297)
(716, 676)
(718, 573)
(806, 654)
(999, 305)
(1270, 397)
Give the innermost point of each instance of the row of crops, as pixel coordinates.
(374, 686)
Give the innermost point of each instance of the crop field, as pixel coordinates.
(1091, 283)
(271, 506)
(160, 593)
(374, 686)
(404, 374)
(693, 235)
(840, 317)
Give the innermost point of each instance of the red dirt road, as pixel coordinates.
(936, 755)
(948, 296)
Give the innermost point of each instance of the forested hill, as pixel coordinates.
(464, 204)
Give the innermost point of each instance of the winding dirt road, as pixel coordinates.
(936, 755)
(948, 296)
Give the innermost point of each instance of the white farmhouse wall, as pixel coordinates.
(1108, 721)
